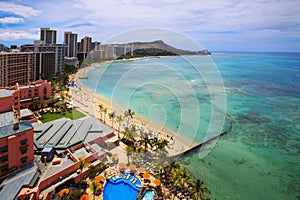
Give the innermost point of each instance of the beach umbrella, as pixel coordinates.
(100, 186)
(115, 156)
(84, 197)
(132, 167)
(122, 165)
(141, 169)
(156, 182)
(146, 175)
(63, 192)
(99, 178)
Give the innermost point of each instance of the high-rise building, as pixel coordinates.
(96, 46)
(15, 67)
(43, 65)
(48, 59)
(1, 47)
(70, 40)
(48, 36)
(86, 44)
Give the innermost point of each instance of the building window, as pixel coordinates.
(23, 151)
(16, 97)
(3, 159)
(5, 167)
(23, 142)
(16, 103)
(24, 159)
(3, 149)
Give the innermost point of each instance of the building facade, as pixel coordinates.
(86, 44)
(16, 147)
(15, 67)
(48, 59)
(1, 47)
(48, 36)
(70, 40)
(20, 97)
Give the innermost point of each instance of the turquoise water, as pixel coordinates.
(121, 188)
(259, 159)
(149, 195)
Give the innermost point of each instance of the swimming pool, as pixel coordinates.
(126, 187)
(149, 195)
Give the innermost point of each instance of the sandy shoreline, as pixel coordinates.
(88, 102)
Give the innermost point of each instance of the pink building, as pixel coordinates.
(20, 97)
(15, 67)
(16, 146)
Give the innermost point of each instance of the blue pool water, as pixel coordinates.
(121, 188)
(149, 195)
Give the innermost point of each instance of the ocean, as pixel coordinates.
(198, 96)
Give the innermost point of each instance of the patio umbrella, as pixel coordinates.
(84, 197)
(63, 192)
(156, 182)
(132, 167)
(122, 165)
(115, 156)
(100, 186)
(99, 178)
(141, 169)
(146, 175)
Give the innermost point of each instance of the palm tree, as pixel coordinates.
(129, 150)
(119, 120)
(162, 143)
(131, 132)
(129, 115)
(144, 139)
(199, 191)
(81, 165)
(186, 177)
(95, 170)
(104, 110)
(112, 116)
(93, 187)
(34, 102)
(52, 99)
(100, 109)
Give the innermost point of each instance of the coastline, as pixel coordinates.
(88, 102)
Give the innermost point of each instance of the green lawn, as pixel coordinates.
(72, 114)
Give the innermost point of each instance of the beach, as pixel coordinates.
(87, 101)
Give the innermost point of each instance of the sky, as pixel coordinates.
(216, 25)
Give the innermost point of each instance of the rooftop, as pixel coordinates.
(8, 130)
(29, 86)
(5, 92)
(7, 118)
(64, 133)
(25, 112)
(13, 184)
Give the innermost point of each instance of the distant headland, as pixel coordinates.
(139, 49)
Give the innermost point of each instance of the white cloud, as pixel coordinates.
(204, 15)
(24, 11)
(239, 21)
(11, 20)
(20, 35)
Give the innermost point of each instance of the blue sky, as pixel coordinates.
(256, 25)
